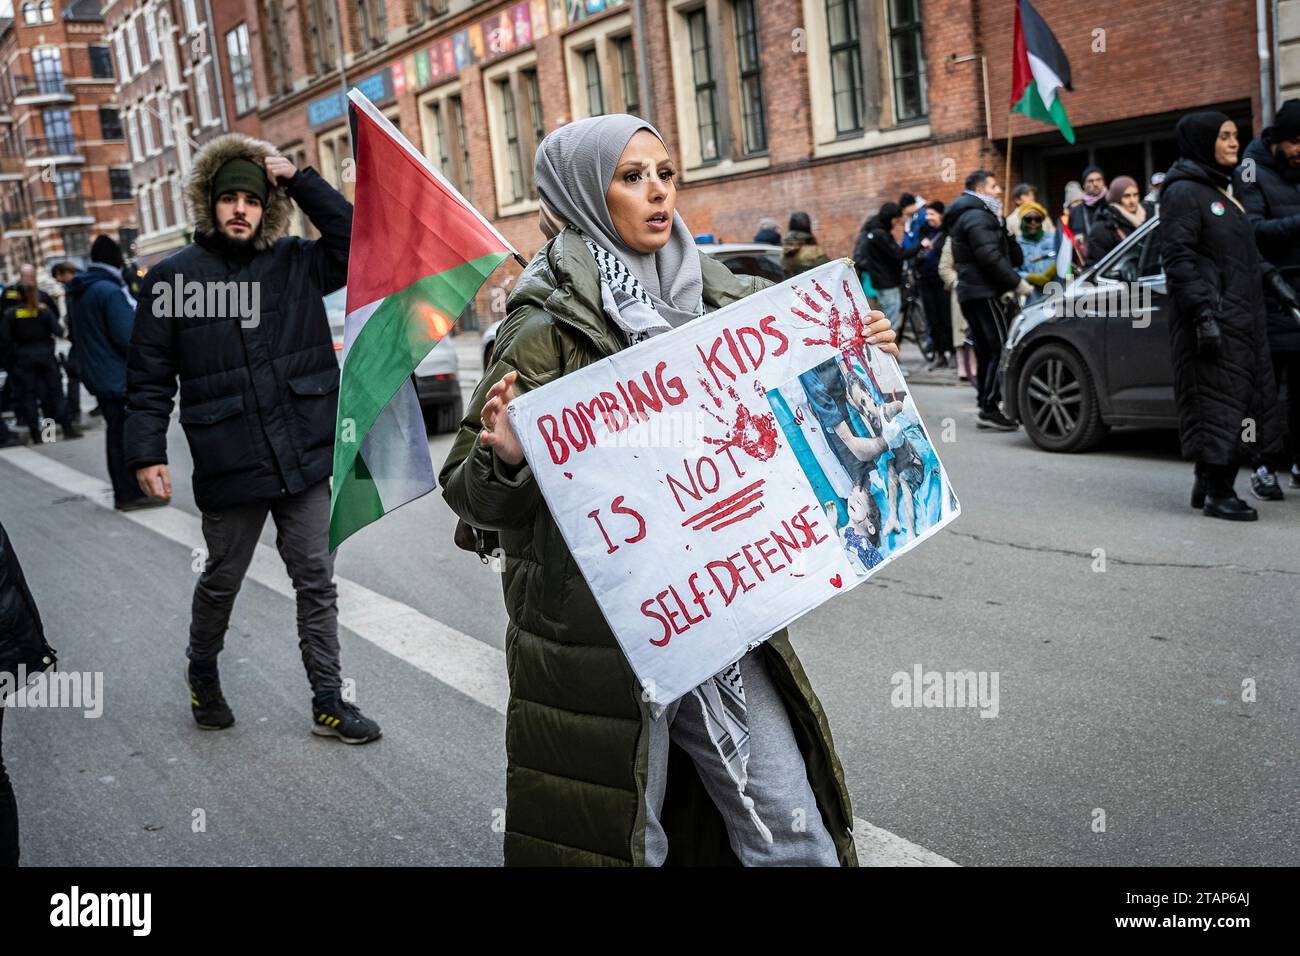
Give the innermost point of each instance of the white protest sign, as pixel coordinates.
(718, 481)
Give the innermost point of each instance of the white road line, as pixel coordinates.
(470, 666)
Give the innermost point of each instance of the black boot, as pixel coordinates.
(1220, 499)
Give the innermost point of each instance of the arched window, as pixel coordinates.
(47, 11)
(29, 14)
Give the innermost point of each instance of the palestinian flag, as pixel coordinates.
(419, 253)
(1065, 254)
(1039, 71)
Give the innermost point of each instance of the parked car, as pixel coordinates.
(742, 258)
(1098, 354)
(437, 378)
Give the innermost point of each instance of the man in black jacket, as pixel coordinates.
(1268, 185)
(986, 257)
(23, 651)
(238, 317)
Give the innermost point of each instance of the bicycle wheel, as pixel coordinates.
(914, 325)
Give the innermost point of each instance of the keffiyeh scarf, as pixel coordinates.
(722, 696)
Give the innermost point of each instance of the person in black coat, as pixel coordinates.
(28, 328)
(101, 313)
(1268, 184)
(23, 652)
(1082, 217)
(879, 255)
(258, 400)
(934, 297)
(986, 259)
(1223, 376)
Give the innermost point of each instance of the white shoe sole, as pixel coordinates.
(320, 730)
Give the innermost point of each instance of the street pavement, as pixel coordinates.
(1120, 623)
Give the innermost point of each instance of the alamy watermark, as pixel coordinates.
(74, 689)
(236, 299)
(946, 689)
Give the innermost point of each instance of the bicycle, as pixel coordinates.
(911, 314)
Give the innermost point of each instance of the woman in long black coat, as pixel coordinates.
(1223, 377)
(22, 645)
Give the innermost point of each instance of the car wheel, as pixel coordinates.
(1058, 401)
(445, 418)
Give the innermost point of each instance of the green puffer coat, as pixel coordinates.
(577, 729)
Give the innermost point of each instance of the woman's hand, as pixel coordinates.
(881, 334)
(498, 434)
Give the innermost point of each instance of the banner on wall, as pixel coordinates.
(716, 482)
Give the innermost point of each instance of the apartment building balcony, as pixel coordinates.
(62, 149)
(14, 225)
(12, 165)
(34, 90)
(62, 211)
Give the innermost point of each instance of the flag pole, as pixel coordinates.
(1006, 180)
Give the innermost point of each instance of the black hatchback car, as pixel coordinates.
(1097, 353)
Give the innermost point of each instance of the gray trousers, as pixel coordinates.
(777, 779)
(302, 537)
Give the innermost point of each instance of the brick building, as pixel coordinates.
(60, 136)
(169, 96)
(830, 106)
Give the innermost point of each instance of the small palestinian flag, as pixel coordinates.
(419, 254)
(1039, 71)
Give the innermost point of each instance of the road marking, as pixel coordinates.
(468, 665)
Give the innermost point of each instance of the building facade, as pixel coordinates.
(170, 101)
(62, 155)
(769, 106)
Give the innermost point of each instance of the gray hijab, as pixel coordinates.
(574, 169)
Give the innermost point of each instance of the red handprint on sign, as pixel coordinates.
(755, 435)
(847, 333)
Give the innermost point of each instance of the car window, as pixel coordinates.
(1151, 261)
(1141, 258)
(749, 264)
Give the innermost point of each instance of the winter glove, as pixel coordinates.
(1282, 291)
(1207, 336)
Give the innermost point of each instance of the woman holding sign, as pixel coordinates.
(742, 768)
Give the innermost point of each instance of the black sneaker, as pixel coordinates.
(993, 418)
(1264, 486)
(1295, 476)
(206, 701)
(344, 721)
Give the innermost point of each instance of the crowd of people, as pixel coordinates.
(973, 264)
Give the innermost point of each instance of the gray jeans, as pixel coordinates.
(302, 537)
(777, 779)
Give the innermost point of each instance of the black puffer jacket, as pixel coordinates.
(985, 254)
(258, 397)
(1109, 229)
(1272, 203)
(22, 638)
(1212, 265)
(876, 253)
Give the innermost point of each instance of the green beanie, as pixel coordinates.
(241, 174)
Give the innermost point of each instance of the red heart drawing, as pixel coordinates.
(836, 581)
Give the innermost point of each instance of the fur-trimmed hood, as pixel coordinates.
(276, 215)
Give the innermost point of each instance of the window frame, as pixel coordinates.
(504, 82)
(892, 32)
(442, 131)
(747, 77)
(880, 129)
(127, 194)
(105, 59)
(104, 130)
(600, 39)
(243, 85)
